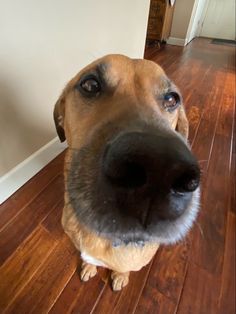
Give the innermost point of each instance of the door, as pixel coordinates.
(219, 21)
(196, 19)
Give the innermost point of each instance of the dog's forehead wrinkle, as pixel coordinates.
(102, 70)
(166, 83)
(102, 67)
(115, 71)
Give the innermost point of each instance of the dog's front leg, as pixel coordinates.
(119, 280)
(87, 271)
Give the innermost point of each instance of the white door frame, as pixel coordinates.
(204, 12)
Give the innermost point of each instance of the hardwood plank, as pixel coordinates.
(184, 72)
(107, 301)
(169, 269)
(202, 145)
(195, 101)
(215, 199)
(52, 223)
(215, 188)
(228, 292)
(225, 124)
(153, 302)
(85, 302)
(165, 280)
(233, 165)
(227, 127)
(23, 264)
(79, 297)
(194, 115)
(200, 293)
(170, 58)
(129, 296)
(24, 223)
(152, 51)
(208, 247)
(12, 206)
(47, 284)
(68, 296)
(68, 244)
(233, 182)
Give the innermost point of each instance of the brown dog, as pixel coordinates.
(131, 182)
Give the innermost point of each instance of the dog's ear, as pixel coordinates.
(182, 123)
(58, 114)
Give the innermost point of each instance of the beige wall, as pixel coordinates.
(181, 18)
(43, 44)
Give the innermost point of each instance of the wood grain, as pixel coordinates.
(52, 223)
(107, 300)
(25, 222)
(228, 291)
(131, 294)
(76, 299)
(201, 292)
(47, 284)
(208, 248)
(168, 271)
(23, 264)
(153, 302)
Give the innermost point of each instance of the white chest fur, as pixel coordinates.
(91, 260)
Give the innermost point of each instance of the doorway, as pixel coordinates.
(219, 20)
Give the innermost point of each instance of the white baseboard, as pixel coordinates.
(19, 175)
(177, 41)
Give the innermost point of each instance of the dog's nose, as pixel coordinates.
(155, 163)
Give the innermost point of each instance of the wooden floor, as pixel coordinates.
(38, 272)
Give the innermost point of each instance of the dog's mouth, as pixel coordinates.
(139, 187)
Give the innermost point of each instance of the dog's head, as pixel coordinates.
(131, 176)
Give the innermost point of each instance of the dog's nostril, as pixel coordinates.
(129, 175)
(135, 175)
(187, 181)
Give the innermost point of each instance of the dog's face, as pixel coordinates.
(130, 175)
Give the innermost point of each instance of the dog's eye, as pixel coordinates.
(89, 86)
(171, 101)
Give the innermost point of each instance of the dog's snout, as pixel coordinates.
(154, 164)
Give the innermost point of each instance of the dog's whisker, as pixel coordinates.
(200, 229)
(201, 161)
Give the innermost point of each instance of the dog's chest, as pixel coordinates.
(121, 259)
(100, 252)
(92, 260)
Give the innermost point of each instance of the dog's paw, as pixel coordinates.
(119, 280)
(88, 271)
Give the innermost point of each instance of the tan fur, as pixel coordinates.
(121, 259)
(133, 79)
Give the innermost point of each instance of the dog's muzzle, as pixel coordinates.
(158, 170)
